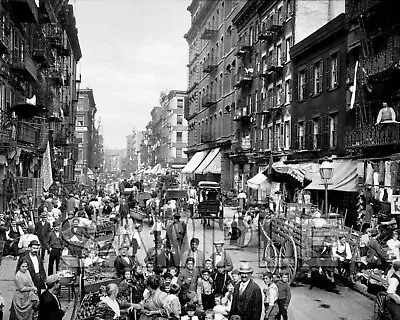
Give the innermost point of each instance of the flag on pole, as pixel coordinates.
(354, 87)
(46, 171)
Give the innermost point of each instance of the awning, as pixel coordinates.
(345, 177)
(257, 181)
(194, 162)
(215, 165)
(296, 171)
(156, 168)
(201, 169)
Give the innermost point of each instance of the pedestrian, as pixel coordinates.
(49, 305)
(220, 279)
(157, 228)
(26, 239)
(247, 296)
(195, 253)
(393, 291)
(284, 295)
(167, 258)
(3, 236)
(205, 291)
(242, 197)
(187, 278)
(56, 246)
(172, 304)
(35, 265)
(177, 235)
(221, 255)
(271, 297)
(242, 226)
(42, 230)
(13, 235)
(123, 261)
(25, 299)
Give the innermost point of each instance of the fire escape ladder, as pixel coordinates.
(366, 45)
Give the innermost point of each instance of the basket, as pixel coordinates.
(137, 215)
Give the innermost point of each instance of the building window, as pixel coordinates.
(277, 135)
(289, 8)
(270, 137)
(179, 136)
(179, 119)
(302, 84)
(301, 136)
(288, 46)
(286, 133)
(318, 72)
(179, 103)
(333, 122)
(278, 95)
(334, 71)
(288, 91)
(315, 136)
(179, 153)
(279, 54)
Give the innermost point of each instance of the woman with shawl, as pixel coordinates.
(25, 298)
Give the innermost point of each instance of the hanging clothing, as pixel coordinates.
(388, 177)
(369, 174)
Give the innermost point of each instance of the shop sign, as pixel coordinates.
(246, 143)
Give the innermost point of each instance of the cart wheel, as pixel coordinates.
(380, 312)
(270, 256)
(288, 257)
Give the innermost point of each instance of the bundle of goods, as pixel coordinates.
(87, 309)
(137, 214)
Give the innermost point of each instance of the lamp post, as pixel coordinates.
(326, 172)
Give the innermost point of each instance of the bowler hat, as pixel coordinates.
(52, 279)
(190, 259)
(34, 243)
(219, 242)
(195, 240)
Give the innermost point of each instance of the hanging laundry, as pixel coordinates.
(381, 176)
(376, 185)
(369, 176)
(388, 179)
(394, 167)
(360, 170)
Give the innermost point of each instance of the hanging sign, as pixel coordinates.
(396, 204)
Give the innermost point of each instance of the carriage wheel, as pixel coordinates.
(270, 256)
(288, 257)
(380, 312)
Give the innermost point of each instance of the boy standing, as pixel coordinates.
(284, 295)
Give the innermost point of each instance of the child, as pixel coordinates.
(208, 265)
(191, 310)
(221, 312)
(157, 227)
(205, 290)
(284, 295)
(235, 276)
(173, 271)
(209, 315)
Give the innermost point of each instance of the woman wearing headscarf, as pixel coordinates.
(109, 308)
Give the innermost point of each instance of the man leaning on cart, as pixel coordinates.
(393, 291)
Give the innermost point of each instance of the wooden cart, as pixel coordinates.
(290, 241)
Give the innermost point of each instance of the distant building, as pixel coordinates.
(85, 134)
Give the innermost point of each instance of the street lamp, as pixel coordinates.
(326, 172)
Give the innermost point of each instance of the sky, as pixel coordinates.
(131, 51)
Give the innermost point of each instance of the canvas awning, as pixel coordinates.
(194, 162)
(201, 169)
(215, 165)
(294, 170)
(345, 177)
(257, 181)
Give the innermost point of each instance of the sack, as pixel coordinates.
(65, 252)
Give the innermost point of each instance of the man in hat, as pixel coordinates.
(153, 252)
(71, 204)
(377, 257)
(221, 255)
(188, 277)
(49, 305)
(42, 230)
(35, 265)
(56, 246)
(13, 236)
(177, 235)
(26, 239)
(196, 254)
(247, 296)
(393, 291)
(123, 261)
(220, 279)
(167, 258)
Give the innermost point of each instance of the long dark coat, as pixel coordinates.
(248, 305)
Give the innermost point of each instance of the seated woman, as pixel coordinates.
(109, 308)
(152, 307)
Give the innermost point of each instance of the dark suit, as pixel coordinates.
(120, 265)
(37, 278)
(49, 307)
(165, 260)
(43, 232)
(56, 244)
(248, 305)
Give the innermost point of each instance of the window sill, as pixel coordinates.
(302, 100)
(314, 95)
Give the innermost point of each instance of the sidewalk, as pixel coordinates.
(7, 287)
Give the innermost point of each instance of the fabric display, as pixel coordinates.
(394, 167)
(388, 177)
(369, 175)
(381, 177)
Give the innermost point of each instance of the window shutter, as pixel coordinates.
(310, 135)
(321, 76)
(320, 130)
(328, 72)
(290, 90)
(305, 82)
(283, 51)
(325, 141)
(297, 88)
(312, 86)
(295, 136)
(282, 93)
